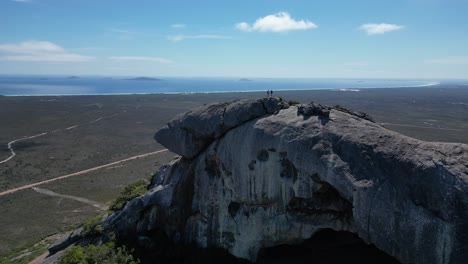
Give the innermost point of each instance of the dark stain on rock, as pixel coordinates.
(272, 149)
(263, 155)
(228, 238)
(233, 208)
(212, 166)
(226, 170)
(326, 200)
(327, 196)
(288, 169)
(155, 241)
(252, 165)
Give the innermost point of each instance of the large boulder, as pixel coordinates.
(191, 132)
(253, 176)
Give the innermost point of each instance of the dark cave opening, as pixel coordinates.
(326, 246)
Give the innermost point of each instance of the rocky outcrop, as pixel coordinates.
(66, 241)
(191, 132)
(255, 174)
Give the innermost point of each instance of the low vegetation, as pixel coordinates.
(25, 254)
(292, 102)
(133, 190)
(92, 227)
(107, 253)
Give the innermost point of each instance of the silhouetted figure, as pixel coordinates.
(268, 93)
(271, 93)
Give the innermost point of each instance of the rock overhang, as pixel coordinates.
(257, 173)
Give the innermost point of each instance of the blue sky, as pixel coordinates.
(252, 38)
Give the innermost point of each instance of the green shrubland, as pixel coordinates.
(133, 190)
(107, 253)
(92, 227)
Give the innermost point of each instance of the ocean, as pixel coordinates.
(53, 85)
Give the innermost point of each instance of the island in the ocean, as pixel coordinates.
(73, 77)
(144, 79)
(244, 80)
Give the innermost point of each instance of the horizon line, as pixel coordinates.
(230, 77)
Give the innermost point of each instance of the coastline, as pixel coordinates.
(344, 89)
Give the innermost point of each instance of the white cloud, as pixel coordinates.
(178, 25)
(139, 58)
(450, 60)
(382, 28)
(47, 58)
(38, 51)
(355, 63)
(178, 38)
(123, 33)
(278, 22)
(22, 1)
(243, 26)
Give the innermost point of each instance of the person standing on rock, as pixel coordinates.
(271, 93)
(268, 93)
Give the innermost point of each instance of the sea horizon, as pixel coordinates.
(70, 85)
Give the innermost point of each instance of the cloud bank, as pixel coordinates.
(138, 58)
(178, 38)
(279, 22)
(38, 51)
(378, 29)
(450, 61)
(178, 25)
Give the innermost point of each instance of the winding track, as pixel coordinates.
(28, 186)
(95, 204)
(10, 144)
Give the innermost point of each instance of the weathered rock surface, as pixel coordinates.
(66, 241)
(189, 133)
(255, 174)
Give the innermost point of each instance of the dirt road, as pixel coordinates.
(28, 186)
(95, 204)
(10, 144)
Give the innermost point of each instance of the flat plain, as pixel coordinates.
(81, 132)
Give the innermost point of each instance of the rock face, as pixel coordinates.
(255, 174)
(190, 133)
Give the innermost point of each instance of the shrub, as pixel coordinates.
(131, 191)
(292, 102)
(73, 255)
(103, 254)
(92, 227)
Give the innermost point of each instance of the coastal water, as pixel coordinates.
(53, 85)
